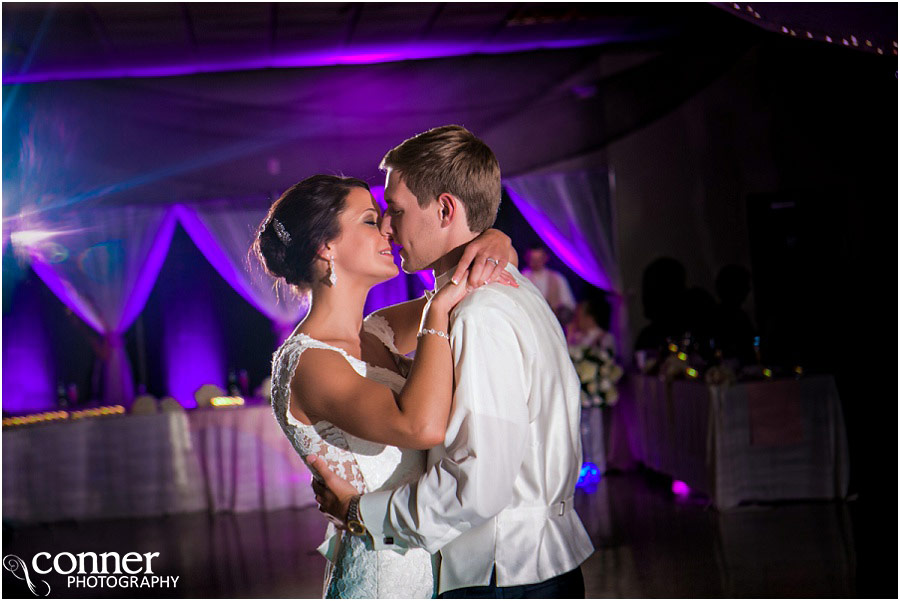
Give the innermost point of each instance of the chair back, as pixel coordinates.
(144, 405)
(206, 393)
(170, 405)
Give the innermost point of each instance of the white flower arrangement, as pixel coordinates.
(598, 374)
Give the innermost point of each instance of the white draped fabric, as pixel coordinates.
(102, 264)
(572, 212)
(224, 235)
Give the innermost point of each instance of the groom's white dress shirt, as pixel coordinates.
(499, 491)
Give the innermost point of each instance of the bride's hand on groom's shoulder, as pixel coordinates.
(486, 258)
(450, 295)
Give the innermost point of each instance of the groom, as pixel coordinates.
(496, 500)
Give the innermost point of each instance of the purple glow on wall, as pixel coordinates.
(28, 375)
(193, 353)
(378, 195)
(360, 55)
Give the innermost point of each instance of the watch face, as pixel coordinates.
(356, 528)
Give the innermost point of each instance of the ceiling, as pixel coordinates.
(147, 103)
(44, 42)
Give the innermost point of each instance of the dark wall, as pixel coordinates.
(787, 164)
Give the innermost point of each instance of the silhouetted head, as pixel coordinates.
(593, 309)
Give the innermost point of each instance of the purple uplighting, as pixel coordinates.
(680, 489)
(328, 58)
(193, 352)
(571, 248)
(28, 369)
(146, 276)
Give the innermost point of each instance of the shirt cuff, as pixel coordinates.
(374, 508)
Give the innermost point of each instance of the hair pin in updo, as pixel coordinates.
(282, 233)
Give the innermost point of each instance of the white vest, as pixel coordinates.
(499, 491)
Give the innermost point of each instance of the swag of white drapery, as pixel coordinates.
(105, 262)
(573, 214)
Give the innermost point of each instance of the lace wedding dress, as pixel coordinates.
(355, 570)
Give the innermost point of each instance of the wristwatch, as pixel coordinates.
(354, 520)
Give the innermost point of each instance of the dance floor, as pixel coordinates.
(649, 543)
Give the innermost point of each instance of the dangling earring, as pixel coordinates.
(332, 276)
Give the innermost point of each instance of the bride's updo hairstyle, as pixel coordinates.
(303, 219)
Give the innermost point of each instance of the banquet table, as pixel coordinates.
(223, 459)
(246, 461)
(759, 441)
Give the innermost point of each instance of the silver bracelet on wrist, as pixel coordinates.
(424, 331)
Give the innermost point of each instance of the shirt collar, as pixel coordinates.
(439, 282)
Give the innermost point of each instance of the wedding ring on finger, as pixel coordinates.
(493, 260)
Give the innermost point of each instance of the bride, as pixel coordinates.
(342, 388)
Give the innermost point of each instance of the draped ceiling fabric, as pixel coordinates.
(103, 268)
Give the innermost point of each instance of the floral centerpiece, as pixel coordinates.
(598, 372)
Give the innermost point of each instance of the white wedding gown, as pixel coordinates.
(355, 571)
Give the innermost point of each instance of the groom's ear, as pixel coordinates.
(449, 208)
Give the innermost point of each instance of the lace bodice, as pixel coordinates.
(355, 571)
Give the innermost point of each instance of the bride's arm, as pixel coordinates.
(404, 318)
(326, 388)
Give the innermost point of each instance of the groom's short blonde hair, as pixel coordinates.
(450, 159)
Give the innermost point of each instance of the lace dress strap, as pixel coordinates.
(377, 325)
(323, 438)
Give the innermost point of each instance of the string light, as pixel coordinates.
(692, 372)
(98, 411)
(226, 401)
(851, 40)
(34, 418)
(767, 372)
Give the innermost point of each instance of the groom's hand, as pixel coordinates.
(333, 493)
